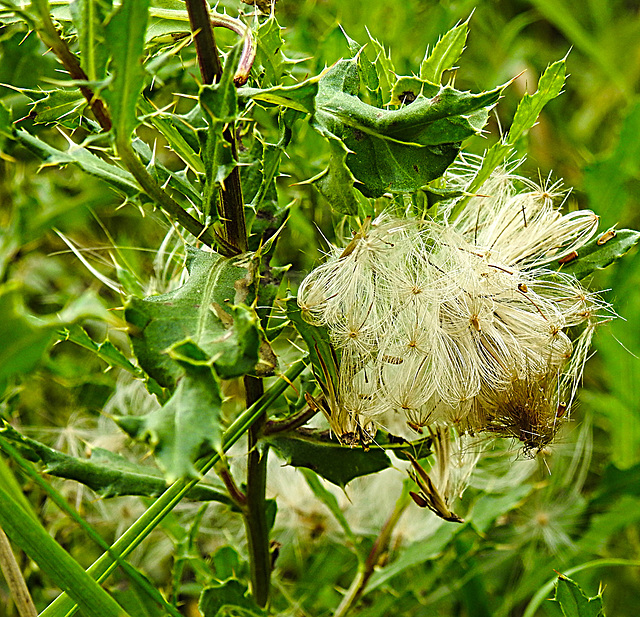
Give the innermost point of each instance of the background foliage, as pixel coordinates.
(579, 516)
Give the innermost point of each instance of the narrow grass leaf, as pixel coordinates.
(55, 562)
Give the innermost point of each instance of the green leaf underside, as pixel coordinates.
(196, 312)
(396, 150)
(593, 256)
(329, 459)
(106, 473)
(340, 464)
(574, 603)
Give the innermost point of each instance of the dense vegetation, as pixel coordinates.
(154, 234)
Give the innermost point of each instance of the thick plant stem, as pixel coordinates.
(355, 591)
(231, 203)
(206, 50)
(255, 513)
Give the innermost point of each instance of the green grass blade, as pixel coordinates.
(61, 568)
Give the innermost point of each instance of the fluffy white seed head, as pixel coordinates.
(449, 323)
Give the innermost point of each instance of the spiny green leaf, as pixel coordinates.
(200, 310)
(445, 54)
(188, 424)
(89, 17)
(328, 458)
(300, 97)
(117, 177)
(167, 124)
(529, 108)
(573, 601)
(62, 107)
(600, 252)
(125, 36)
(106, 350)
(107, 473)
(385, 69)
(396, 150)
(54, 561)
(269, 55)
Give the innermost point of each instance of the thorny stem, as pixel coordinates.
(51, 37)
(234, 233)
(255, 514)
(359, 583)
(15, 581)
(231, 202)
(160, 196)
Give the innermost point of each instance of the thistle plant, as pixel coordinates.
(460, 322)
(453, 318)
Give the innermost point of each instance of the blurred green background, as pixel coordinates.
(587, 508)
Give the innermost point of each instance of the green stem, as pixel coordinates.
(359, 583)
(256, 516)
(102, 568)
(158, 195)
(273, 427)
(230, 206)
